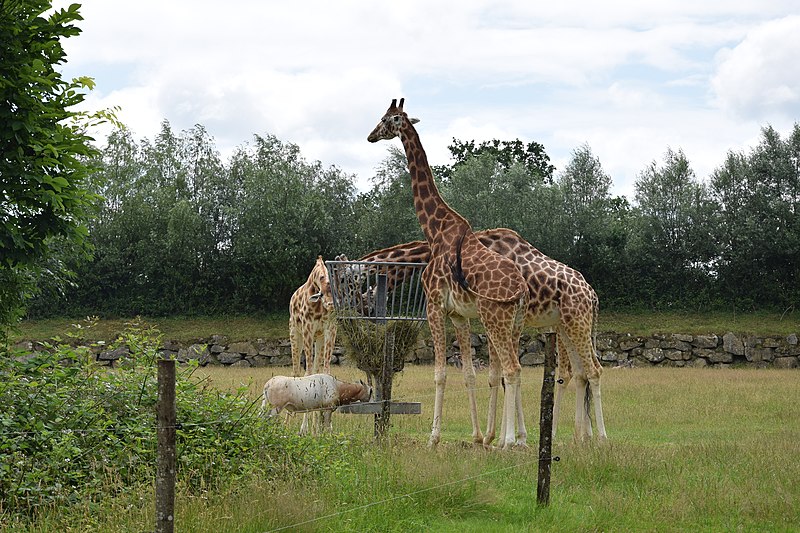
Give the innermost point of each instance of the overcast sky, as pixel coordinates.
(630, 78)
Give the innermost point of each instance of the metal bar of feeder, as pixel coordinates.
(380, 298)
(375, 408)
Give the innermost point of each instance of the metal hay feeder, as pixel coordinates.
(380, 307)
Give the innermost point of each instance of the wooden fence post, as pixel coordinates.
(165, 467)
(546, 421)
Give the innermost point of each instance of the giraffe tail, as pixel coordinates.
(460, 277)
(587, 400)
(456, 268)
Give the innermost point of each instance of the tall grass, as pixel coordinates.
(689, 450)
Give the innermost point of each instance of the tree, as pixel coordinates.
(385, 214)
(672, 247)
(757, 197)
(45, 151)
(532, 156)
(585, 189)
(506, 184)
(596, 226)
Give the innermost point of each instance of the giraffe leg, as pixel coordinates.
(592, 370)
(325, 419)
(296, 341)
(304, 427)
(319, 354)
(574, 344)
(564, 375)
(462, 334)
(308, 348)
(581, 433)
(436, 325)
(594, 383)
(512, 379)
(501, 327)
(495, 373)
(522, 432)
(330, 342)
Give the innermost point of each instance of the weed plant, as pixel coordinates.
(74, 434)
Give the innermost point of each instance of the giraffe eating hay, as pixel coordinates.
(312, 327)
(559, 297)
(464, 280)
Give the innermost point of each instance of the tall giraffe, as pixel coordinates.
(559, 297)
(312, 327)
(464, 280)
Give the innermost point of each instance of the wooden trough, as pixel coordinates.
(380, 307)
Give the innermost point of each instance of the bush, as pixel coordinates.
(74, 431)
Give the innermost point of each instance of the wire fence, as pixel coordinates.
(253, 416)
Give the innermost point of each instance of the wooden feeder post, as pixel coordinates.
(383, 383)
(378, 333)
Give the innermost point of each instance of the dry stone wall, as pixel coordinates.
(614, 349)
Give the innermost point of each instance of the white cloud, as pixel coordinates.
(759, 79)
(630, 78)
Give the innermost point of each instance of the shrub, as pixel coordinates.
(73, 431)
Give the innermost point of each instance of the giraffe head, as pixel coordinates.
(320, 283)
(353, 287)
(392, 122)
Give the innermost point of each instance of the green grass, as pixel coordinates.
(182, 329)
(649, 322)
(688, 450)
(275, 326)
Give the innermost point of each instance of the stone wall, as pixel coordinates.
(615, 349)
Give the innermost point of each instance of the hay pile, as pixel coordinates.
(366, 339)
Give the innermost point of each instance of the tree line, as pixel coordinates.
(180, 231)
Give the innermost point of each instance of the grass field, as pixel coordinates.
(689, 450)
(275, 326)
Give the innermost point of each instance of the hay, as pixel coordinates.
(366, 341)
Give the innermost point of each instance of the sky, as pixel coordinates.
(628, 78)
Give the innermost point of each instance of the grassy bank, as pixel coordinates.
(275, 326)
(689, 450)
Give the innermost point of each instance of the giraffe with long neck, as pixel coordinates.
(463, 280)
(559, 298)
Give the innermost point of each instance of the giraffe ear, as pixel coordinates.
(414, 120)
(315, 297)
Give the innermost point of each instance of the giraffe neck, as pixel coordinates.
(409, 252)
(435, 217)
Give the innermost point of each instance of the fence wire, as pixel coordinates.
(534, 459)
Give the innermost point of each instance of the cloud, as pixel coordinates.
(630, 78)
(757, 79)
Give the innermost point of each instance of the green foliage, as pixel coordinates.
(385, 214)
(531, 156)
(182, 232)
(671, 247)
(45, 199)
(757, 198)
(73, 431)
